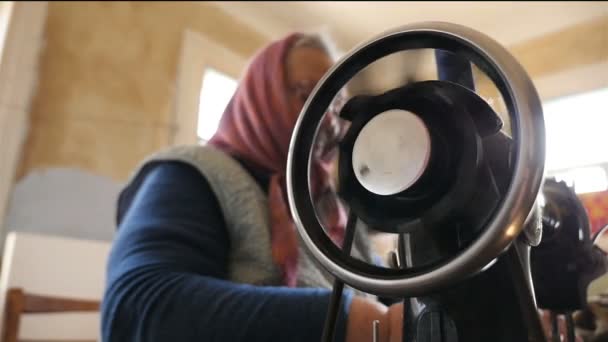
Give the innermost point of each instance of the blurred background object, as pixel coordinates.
(88, 89)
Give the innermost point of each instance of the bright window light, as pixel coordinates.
(585, 179)
(216, 92)
(577, 128)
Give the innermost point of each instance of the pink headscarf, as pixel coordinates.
(256, 128)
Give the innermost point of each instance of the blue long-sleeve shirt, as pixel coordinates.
(166, 276)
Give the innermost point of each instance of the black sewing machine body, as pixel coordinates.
(444, 211)
(428, 161)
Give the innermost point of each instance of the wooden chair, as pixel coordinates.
(19, 303)
(50, 288)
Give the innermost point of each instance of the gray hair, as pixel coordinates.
(318, 41)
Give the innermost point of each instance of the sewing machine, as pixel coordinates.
(428, 162)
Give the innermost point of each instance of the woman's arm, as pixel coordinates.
(167, 273)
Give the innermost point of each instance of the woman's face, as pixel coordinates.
(305, 67)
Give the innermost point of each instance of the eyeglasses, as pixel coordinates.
(301, 90)
(331, 128)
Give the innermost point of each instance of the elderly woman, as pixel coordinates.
(206, 248)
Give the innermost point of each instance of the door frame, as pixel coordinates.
(23, 30)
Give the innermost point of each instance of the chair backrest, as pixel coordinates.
(54, 266)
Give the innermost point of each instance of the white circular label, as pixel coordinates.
(391, 152)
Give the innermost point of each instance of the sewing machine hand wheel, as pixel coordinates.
(450, 126)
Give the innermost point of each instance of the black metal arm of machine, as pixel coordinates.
(462, 199)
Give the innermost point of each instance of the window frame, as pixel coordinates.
(202, 140)
(197, 54)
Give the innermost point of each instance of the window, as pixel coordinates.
(584, 179)
(216, 92)
(577, 145)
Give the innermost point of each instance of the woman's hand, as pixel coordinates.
(364, 311)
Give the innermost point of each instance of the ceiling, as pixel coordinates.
(350, 23)
(528, 28)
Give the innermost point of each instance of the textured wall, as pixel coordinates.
(105, 98)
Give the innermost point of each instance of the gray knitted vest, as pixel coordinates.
(245, 210)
